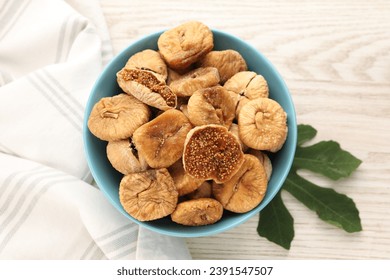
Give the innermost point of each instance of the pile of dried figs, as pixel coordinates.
(190, 131)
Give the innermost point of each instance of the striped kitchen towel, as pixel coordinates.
(51, 52)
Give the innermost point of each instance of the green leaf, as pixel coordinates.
(305, 133)
(330, 206)
(326, 158)
(276, 224)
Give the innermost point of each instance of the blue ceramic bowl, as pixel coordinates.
(108, 179)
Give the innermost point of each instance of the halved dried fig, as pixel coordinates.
(148, 195)
(146, 87)
(161, 141)
(117, 117)
(262, 124)
(203, 191)
(184, 183)
(199, 78)
(265, 161)
(246, 189)
(228, 63)
(185, 44)
(198, 212)
(149, 60)
(212, 152)
(124, 157)
(211, 106)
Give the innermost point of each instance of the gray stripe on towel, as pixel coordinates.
(116, 231)
(87, 251)
(121, 241)
(49, 97)
(24, 196)
(125, 253)
(61, 36)
(15, 187)
(29, 209)
(12, 15)
(60, 96)
(63, 90)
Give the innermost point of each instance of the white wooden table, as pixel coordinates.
(335, 58)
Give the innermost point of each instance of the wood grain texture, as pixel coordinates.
(335, 59)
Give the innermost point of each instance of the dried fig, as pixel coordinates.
(262, 124)
(117, 117)
(211, 106)
(184, 183)
(204, 191)
(124, 157)
(247, 84)
(212, 152)
(161, 141)
(198, 212)
(149, 60)
(246, 189)
(228, 63)
(265, 161)
(146, 87)
(148, 195)
(196, 79)
(185, 44)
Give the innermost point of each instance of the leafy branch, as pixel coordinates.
(325, 158)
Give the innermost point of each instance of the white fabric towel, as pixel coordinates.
(51, 52)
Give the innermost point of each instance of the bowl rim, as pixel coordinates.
(239, 219)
